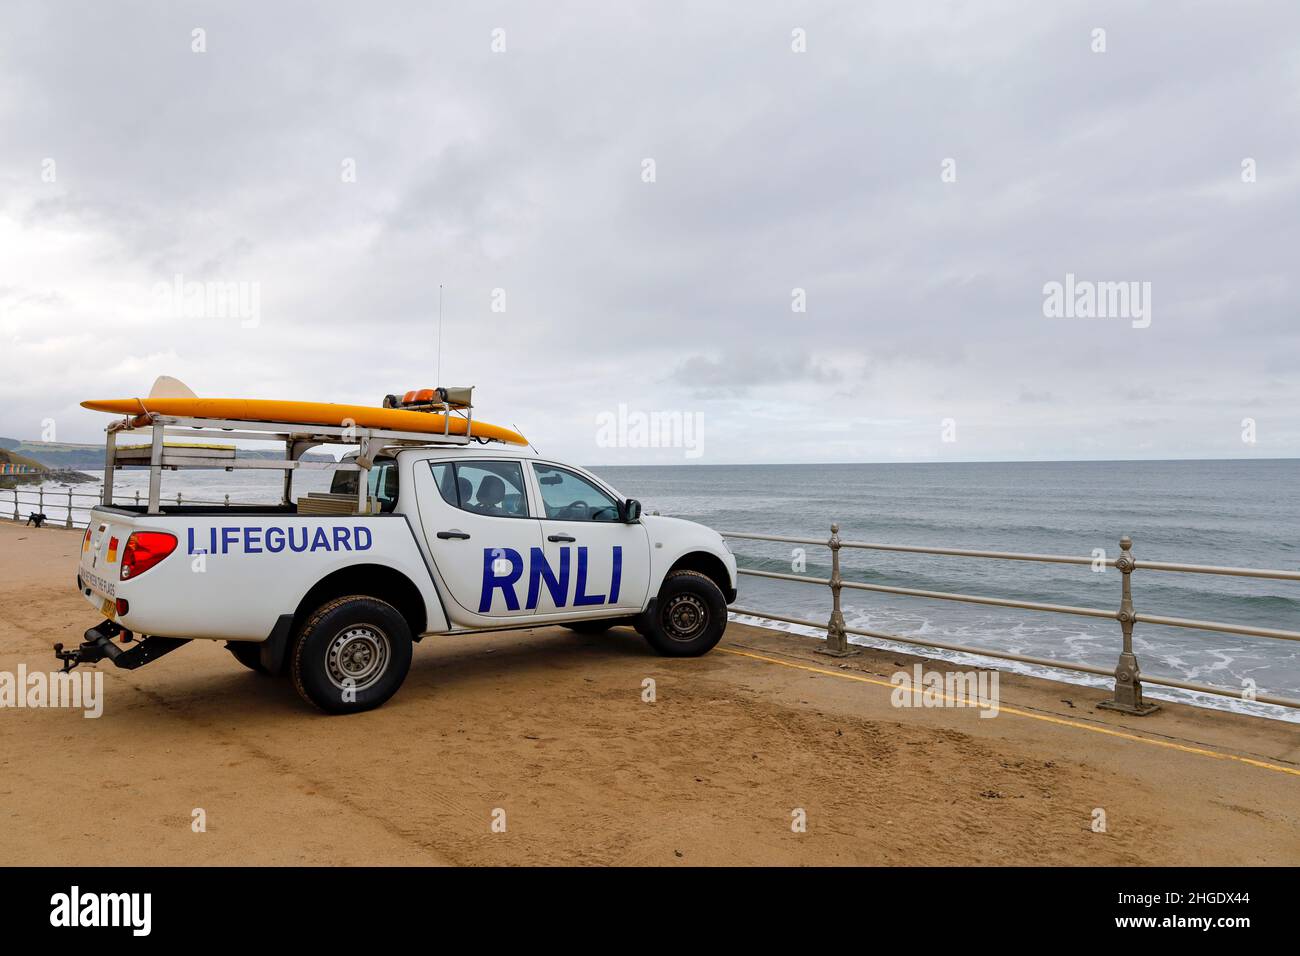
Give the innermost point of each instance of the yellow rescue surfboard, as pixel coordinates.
(307, 413)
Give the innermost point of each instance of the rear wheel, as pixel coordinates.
(351, 655)
(689, 616)
(248, 654)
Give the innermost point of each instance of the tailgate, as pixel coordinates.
(101, 558)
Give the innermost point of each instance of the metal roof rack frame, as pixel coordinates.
(298, 438)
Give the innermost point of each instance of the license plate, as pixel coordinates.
(108, 608)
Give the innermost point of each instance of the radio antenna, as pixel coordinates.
(438, 376)
(530, 444)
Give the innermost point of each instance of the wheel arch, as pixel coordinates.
(711, 566)
(372, 580)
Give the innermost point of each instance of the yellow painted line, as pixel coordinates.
(1202, 751)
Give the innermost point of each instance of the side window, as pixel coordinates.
(444, 476)
(382, 483)
(570, 497)
(493, 488)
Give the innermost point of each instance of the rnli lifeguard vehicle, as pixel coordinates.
(434, 524)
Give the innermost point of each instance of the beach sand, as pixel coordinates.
(551, 728)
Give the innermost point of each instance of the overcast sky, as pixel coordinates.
(344, 159)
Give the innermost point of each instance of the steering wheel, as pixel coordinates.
(577, 511)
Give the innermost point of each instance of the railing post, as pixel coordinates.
(40, 500)
(15, 502)
(1128, 676)
(68, 523)
(837, 639)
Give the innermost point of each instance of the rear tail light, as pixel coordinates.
(123, 607)
(144, 549)
(85, 542)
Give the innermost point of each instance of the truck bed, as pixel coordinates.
(183, 510)
(232, 573)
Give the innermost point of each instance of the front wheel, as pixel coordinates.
(351, 655)
(689, 617)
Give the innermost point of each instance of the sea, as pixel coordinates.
(1237, 513)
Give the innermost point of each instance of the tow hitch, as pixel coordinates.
(98, 645)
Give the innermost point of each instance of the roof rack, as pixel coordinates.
(298, 438)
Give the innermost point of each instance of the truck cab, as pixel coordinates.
(522, 540)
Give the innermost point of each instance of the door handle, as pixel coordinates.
(560, 537)
(444, 535)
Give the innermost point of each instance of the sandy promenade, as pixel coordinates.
(551, 728)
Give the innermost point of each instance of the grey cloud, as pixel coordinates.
(743, 373)
(776, 170)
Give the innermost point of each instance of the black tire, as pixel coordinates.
(355, 638)
(689, 617)
(248, 654)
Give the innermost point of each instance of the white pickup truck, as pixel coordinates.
(459, 539)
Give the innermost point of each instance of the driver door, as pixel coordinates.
(595, 563)
(481, 536)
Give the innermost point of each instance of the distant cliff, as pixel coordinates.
(18, 469)
(65, 456)
(55, 455)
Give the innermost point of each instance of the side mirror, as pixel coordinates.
(631, 511)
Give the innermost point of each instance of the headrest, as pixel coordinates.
(491, 490)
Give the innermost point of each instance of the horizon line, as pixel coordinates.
(931, 461)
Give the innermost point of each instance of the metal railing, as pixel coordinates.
(23, 502)
(1128, 675)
